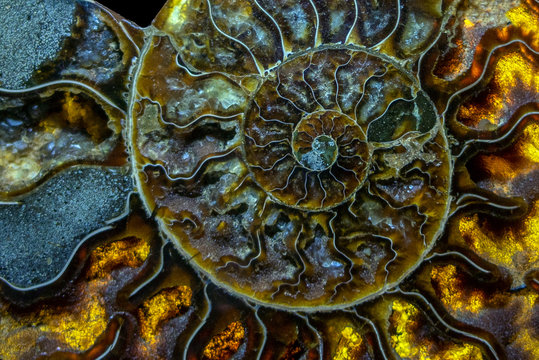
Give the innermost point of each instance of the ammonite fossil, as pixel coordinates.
(255, 179)
(314, 181)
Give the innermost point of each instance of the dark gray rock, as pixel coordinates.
(38, 235)
(31, 32)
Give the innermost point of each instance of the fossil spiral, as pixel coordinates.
(270, 179)
(298, 168)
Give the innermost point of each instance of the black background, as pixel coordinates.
(142, 15)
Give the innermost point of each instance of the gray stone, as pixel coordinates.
(31, 32)
(39, 235)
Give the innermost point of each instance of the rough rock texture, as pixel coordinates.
(38, 235)
(31, 32)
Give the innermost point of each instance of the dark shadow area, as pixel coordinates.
(142, 15)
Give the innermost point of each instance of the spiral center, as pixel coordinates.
(321, 155)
